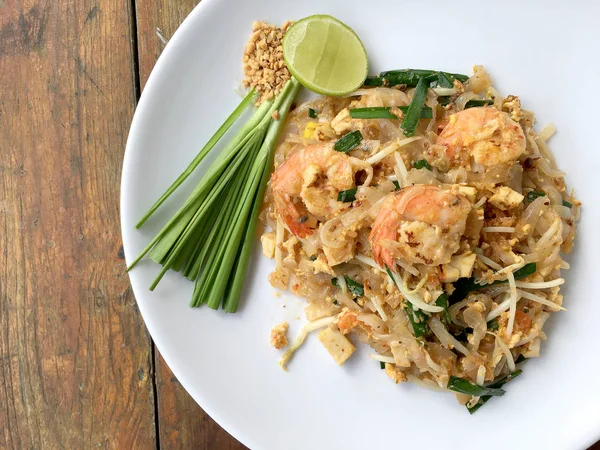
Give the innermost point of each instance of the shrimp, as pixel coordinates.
(489, 136)
(420, 224)
(309, 182)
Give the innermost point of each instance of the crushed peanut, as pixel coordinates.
(278, 335)
(264, 68)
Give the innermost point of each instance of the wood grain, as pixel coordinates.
(182, 423)
(75, 361)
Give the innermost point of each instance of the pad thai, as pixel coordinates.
(441, 247)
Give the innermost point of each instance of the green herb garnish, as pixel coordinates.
(531, 196)
(348, 142)
(495, 385)
(381, 365)
(493, 325)
(443, 301)
(349, 195)
(465, 285)
(354, 287)
(411, 77)
(312, 113)
(418, 320)
(422, 164)
(396, 184)
(567, 204)
(413, 114)
(477, 103)
(383, 112)
(463, 386)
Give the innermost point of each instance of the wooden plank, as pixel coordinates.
(75, 359)
(182, 423)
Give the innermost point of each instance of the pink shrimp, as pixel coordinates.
(489, 136)
(309, 181)
(420, 224)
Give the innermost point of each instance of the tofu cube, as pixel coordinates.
(505, 198)
(464, 264)
(450, 273)
(468, 192)
(268, 244)
(336, 344)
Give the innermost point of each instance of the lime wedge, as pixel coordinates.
(325, 55)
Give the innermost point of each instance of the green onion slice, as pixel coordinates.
(495, 385)
(477, 103)
(422, 164)
(412, 116)
(348, 142)
(463, 386)
(383, 112)
(531, 196)
(349, 195)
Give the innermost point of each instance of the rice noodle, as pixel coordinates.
(446, 338)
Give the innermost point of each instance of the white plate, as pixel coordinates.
(547, 54)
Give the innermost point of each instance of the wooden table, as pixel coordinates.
(78, 369)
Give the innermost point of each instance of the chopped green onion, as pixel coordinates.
(493, 325)
(443, 80)
(443, 301)
(531, 196)
(354, 287)
(418, 320)
(396, 184)
(463, 386)
(465, 285)
(348, 142)
(567, 204)
(422, 164)
(383, 112)
(520, 359)
(412, 116)
(495, 385)
(381, 365)
(313, 257)
(312, 113)
(411, 77)
(477, 103)
(349, 195)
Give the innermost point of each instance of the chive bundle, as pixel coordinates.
(210, 237)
